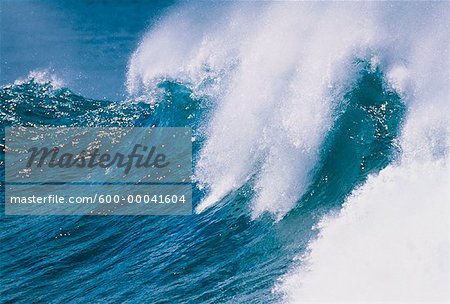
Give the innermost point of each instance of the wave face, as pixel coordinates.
(321, 149)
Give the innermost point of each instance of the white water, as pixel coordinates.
(390, 243)
(276, 72)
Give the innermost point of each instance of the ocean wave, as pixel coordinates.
(284, 68)
(280, 73)
(325, 115)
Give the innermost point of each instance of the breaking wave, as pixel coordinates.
(279, 75)
(321, 141)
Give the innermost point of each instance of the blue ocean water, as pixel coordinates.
(223, 254)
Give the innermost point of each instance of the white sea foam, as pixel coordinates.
(390, 243)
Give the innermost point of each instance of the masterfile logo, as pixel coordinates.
(98, 170)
